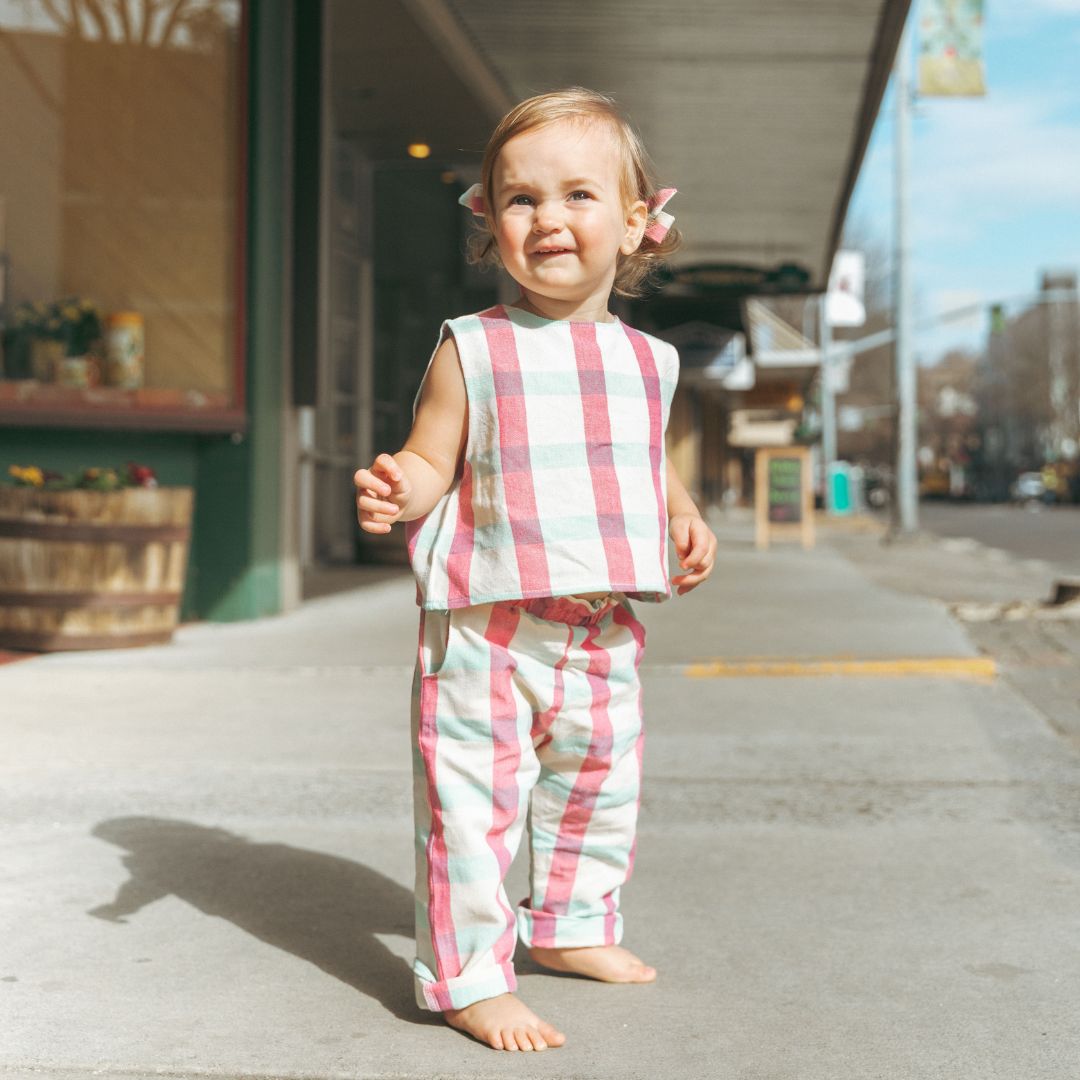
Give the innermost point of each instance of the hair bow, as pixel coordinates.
(661, 221)
(473, 200)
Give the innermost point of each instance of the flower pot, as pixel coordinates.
(45, 355)
(81, 372)
(91, 569)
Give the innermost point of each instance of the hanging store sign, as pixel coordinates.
(951, 49)
(844, 304)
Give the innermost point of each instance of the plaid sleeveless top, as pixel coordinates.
(563, 485)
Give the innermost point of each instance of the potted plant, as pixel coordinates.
(90, 560)
(56, 341)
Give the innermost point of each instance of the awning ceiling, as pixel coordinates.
(758, 111)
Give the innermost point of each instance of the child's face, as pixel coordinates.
(560, 218)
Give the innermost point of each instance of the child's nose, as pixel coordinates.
(548, 217)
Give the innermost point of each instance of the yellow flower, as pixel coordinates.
(29, 474)
(70, 312)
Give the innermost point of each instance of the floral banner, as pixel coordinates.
(951, 49)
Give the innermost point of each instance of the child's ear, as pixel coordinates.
(637, 218)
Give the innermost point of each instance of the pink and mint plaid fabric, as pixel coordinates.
(564, 484)
(518, 703)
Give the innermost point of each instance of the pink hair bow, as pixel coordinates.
(661, 221)
(473, 200)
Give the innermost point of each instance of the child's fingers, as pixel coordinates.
(367, 480)
(385, 464)
(384, 476)
(687, 582)
(375, 505)
(699, 561)
(695, 574)
(680, 536)
(374, 526)
(700, 538)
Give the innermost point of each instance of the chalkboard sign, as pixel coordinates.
(783, 496)
(784, 489)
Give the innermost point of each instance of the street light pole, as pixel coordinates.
(907, 480)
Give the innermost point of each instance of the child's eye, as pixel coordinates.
(514, 200)
(584, 194)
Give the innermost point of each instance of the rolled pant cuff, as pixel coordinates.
(546, 931)
(440, 995)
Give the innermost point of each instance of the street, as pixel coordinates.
(1050, 533)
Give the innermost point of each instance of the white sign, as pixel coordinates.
(837, 374)
(844, 304)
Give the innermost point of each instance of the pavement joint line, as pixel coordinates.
(949, 667)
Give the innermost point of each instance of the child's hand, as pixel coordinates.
(695, 545)
(382, 493)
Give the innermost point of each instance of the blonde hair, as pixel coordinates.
(583, 106)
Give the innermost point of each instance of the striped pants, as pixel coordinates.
(521, 707)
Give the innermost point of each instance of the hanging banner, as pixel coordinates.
(951, 49)
(844, 304)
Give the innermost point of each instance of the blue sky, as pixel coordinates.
(995, 181)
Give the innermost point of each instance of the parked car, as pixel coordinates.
(934, 484)
(877, 485)
(1028, 487)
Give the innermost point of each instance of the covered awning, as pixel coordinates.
(758, 111)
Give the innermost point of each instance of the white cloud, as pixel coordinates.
(977, 162)
(981, 160)
(1007, 21)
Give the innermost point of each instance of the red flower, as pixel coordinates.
(141, 475)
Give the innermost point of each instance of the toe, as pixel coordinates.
(551, 1036)
(508, 1040)
(536, 1039)
(523, 1037)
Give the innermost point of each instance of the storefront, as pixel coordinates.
(264, 196)
(127, 201)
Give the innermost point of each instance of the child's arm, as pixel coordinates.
(694, 541)
(409, 483)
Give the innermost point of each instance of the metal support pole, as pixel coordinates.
(828, 401)
(907, 479)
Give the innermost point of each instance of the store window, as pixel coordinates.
(121, 212)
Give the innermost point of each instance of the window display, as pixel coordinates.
(120, 211)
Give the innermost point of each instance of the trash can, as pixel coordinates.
(839, 489)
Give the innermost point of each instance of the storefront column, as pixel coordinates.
(244, 545)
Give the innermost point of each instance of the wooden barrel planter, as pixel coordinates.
(91, 569)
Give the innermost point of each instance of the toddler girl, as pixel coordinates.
(538, 501)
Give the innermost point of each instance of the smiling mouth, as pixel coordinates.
(552, 251)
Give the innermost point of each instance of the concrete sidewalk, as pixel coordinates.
(208, 849)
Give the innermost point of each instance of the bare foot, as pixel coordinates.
(504, 1023)
(608, 963)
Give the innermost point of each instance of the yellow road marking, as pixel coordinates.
(954, 667)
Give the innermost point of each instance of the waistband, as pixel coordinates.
(571, 610)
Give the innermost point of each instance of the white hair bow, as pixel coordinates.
(473, 200)
(661, 221)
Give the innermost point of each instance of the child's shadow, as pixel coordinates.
(322, 908)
